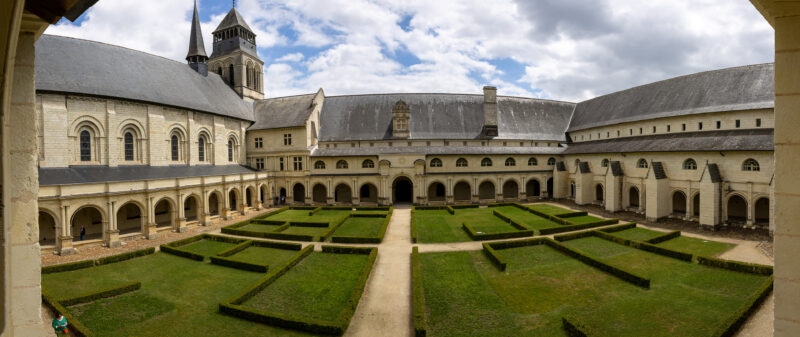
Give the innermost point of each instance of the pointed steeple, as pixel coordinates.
(197, 50)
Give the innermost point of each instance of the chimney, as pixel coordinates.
(489, 112)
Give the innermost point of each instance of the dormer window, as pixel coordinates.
(400, 120)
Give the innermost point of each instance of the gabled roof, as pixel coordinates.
(616, 169)
(196, 46)
(434, 150)
(584, 167)
(713, 172)
(232, 19)
(97, 174)
(739, 88)
(441, 116)
(658, 170)
(74, 66)
(723, 140)
(282, 112)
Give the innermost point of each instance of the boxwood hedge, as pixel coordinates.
(732, 324)
(744, 267)
(224, 261)
(67, 267)
(645, 246)
(125, 256)
(665, 237)
(495, 257)
(597, 263)
(76, 328)
(105, 293)
(494, 236)
(418, 296)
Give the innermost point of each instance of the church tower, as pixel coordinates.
(235, 57)
(197, 50)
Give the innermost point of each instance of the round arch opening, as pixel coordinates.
(436, 192)
(299, 193)
(319, 194)
(368, 193)
(343, 194)
(47, 229)
(163, 212)
(486, 191)
(533, 188)
(510, 190)
(402, 190)
(90, 219)
(129, 219)
(462, 191)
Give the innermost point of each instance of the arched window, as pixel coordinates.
(532, 161)
(230, 74)
(86, 145)
(367, 164)
(577, 162)
(436, 162)
(486, 162)
(689, 164)
(128, 139)
(751, 165)
(604, 163)
(201, 148)
(219, 71)
(230, 149)
(341, 164)
(174, 148)
(551, 161)
(511, 162)
(319, 165)
(641, 163)
(461, 162)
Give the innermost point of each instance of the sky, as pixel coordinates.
(568, 50)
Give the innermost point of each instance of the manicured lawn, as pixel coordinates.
(317, 288)
(178, 297)
(578, 220)
(207, 247)
(264, 255)
(697, 246)
(526, 218)
(255, 227)
(372, 212)
(361, 227)
(548, 209)
(440, 226)
(638, 234)
(316, 231)
(302, 215)
(466, 295)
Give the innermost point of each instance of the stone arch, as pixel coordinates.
(510, 189)
(177, 148)
(436, 192)
(91, 217)
(634, 196)
(486, 190)
(233, 199)
(250, 196)
(282, 195)
(533, 188)
(696, 204)
(599, 194)
(402, 190)
(319, 193)
(130, 218)
(47, 227)
(679, 203)
(262, 194)
(214, 203)
(299, 193)
(89, 122)
(572, 189)
(761, 211)
(736, 208)
(368, 193)
(163, 210)
(342, 193)
(94, 131)
(191, 207)
(462, 191)
(550, 187)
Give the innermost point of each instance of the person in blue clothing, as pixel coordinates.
(60, 325)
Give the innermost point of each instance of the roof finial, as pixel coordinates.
(234, 3)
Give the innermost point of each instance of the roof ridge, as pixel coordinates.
(447, 93)
(114, 45)
(290, 96)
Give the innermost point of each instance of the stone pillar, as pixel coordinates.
(584, 188)
(613, 191)
(205, 217)
(180, 224)
(150, 231)
(709, 204)
(560, 184)
(21, 275)
(657, 198)
(64, 241)
(111, 236)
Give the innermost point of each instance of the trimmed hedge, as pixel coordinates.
(235, 249)
(429, 208)
(732, 325)
(76, 328)
(500, 204)
(572, 214)
(314, 211)
(346, 315)
(413, 227)
(287, 236)
(572, 328)
(465, 206)
(267, 222)
(185, 241)
(493, 256)
(182, 253)
(338, 208)
(517, 243)
(309, 208)
(573, 236)
(332, 228)
(744, 267)
(273, 275)
(279, 245)
(665, 237)
(281, 320)
(451, 210)
(67, 267)
(224, 261)
(418, 295)
(373, 208)
(645, 246)
(125, 256)
(494, 236)
(367, 215)
(271, 213)
(618, 228)
(595, 262)
(347, 250)
(573, 227)
(308, 224)
(105, 293)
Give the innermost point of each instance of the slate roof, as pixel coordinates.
(561, 167)
(441, 116)
(432, 150)
(584, 167)
(282, 112)
(713, 171)
(74, 66)
(658, 170)
(232, 19)
(96, 174)
(739, 88)
(723, 140)
(616, 169)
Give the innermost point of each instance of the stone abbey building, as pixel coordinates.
(131, 144)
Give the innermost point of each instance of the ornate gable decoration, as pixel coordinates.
(400, 120)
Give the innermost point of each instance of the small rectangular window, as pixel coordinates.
(617, 133)
(259, 142)
(280, 160)
(700, 126)
(738, 123)
(287, 139)
(669, 127)
(630, 132)
(758, 122)
(719, 125)
(640, 131)
(683, 127)
(298, 163)
(259, 163)
(654, 129)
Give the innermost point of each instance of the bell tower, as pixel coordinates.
(235, 57)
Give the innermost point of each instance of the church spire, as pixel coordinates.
(197, 51)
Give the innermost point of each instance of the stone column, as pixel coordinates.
(112, 233)
(150, 231)
(64, 241)
(181, 223)
(613, 191)
(657, 198)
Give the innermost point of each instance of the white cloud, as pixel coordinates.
(293, 57)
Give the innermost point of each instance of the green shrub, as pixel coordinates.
(373, 208)
(618, 228)
(223, 261)
(572, 214)
(418, 296)
(67, 266)
(343, 321)
(493, 256)
(125, 256)
(287, 236)
(105, 293)
(500, 204)
(281, 320)
(355, 239)
(732, 325)
(308, 224)
(645, 246)
(347, 250)
(597, 263)
(235, 249)
(279, 245)
(333, 228)
(665, 237)
(273, 275)
(76, 328)
(302, 208)
(517, 243)
(268, 222)
(451, 210)
(220, 238)
(240, 232)
(314, 211)
(465, 206)
(573, 236)
(429, 208)
(572, 328)
(744, 267)
(494, 236)
(271, 213)
(573, 227)
(413, 226)
(338, 208)
(367, 215)
(185, 241)
(182, 253)
(501, 216)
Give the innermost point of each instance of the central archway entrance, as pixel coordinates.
(402, 190)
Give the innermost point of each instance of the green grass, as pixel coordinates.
(526, 218)
(264, 255)
(316, 231)
(466, 295)
(638, 234)
(317, 288)
(207, 247)
(255, 227)
(440, 226)
(548, 209)
(361, 227)
(372, 212)
(696, 246)
(179, 297)
(302, 215)
(579, 220)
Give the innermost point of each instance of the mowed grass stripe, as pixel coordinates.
(317, 288)
(697, 246)
(361, 227)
